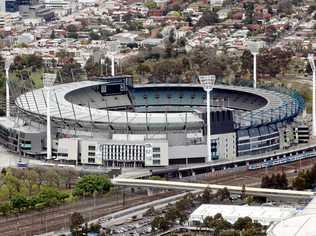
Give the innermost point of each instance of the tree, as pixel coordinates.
(51, 197)
(89, 184)
(208, 18)
(71, 28)
(19, 202)
(5, 208)
(13, 184)
(172, 36)
(70, 72)
(150, 212)
(73, 35)
(283, 181)
(206, 196)
(249, 8)
(160, 223)
(208, 222)
(285, 6)
(52, 35)
(76, 221)
(151, 4)
(94, 228)
(223, 194)
(68, 177)
(299, 183)
(30, 180)
(242, 223)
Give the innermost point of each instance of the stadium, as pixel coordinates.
(110, 121)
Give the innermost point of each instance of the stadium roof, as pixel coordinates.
(61, 109)
(302, 224)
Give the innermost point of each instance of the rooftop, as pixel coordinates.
(264, 215)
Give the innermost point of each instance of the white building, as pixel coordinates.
(2, 6)
(263, 215)
(56, 4)
(113, 153)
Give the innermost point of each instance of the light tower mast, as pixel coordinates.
(208, 82)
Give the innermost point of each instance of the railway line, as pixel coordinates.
(253, 177)
(57, 219)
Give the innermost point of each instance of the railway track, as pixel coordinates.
(55, 219)
(249, 177)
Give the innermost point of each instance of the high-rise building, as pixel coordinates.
(14, 5)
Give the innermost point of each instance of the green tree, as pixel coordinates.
(89, 184)
(19, 202)
(151, 4)
(51, 197)
(73, 35)
(5, 208)
(249, 8)
(13, 184)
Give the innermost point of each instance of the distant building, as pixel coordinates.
(2, 6)
(11, 6)
(37, 11)
(14, 5)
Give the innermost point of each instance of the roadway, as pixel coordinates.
(263, 192)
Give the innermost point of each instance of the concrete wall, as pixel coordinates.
(69, 146)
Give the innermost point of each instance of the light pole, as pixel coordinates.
(208, 82)
(113, 47)
(7, 65)
(254, 49)
(48, 81)
(312, 64)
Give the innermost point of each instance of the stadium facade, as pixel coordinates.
(112, 122)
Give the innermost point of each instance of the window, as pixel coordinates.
(91, 154)
(156, 149)
(155, 155)
(156, 162)
(91, 160)
(91, 148)
(63, 154)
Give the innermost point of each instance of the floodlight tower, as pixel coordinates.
(208, 82)
(113, 49)
(48, 80)
(254, 49)
(7, 65)
(312, 64)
